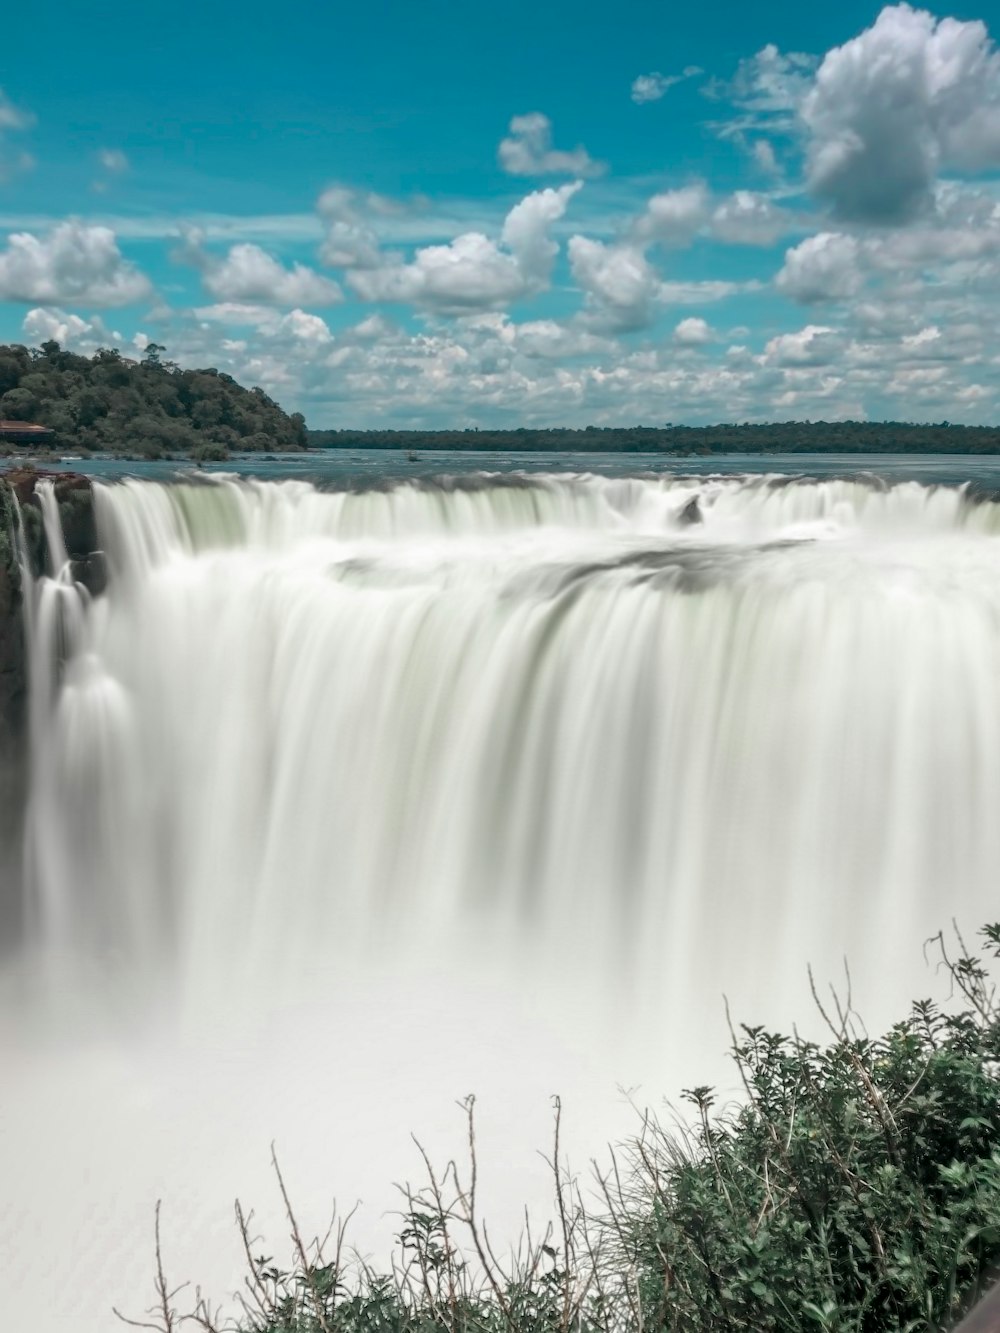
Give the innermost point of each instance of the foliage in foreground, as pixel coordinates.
(855, 1189)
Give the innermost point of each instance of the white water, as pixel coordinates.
(344, 805)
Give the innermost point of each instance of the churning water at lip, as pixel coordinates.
(492, 783)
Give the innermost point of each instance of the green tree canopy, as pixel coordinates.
(108, 402)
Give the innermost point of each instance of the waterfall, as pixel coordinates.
(556, 710)
(600, 748)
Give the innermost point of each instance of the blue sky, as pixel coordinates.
(447, 216)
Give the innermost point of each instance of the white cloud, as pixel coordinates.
(351, 241)
(308, 328)
(824, 267)
(674, 216)
(474, 272)
(815, 345)
(693, 332)
(297, 324)
(623, 290)
(113, 160)
(41, 324)
(248, 273)
(617, 280)
(698, 293)
(762, 151)
(651, 87)
(484, 368)
(236, 312)
(746, 218)
(925, 345)
(910, 97)
(767, 91)
(74, 264)
(12, 120)
(550, 340)
(13, 117)
(529, 152)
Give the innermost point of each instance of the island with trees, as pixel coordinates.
(149, 408)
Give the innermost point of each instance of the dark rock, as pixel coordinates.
(691, 513)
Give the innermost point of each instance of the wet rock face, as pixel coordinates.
(13, 654)
(18, 488)
(74, 496)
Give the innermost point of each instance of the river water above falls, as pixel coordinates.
(345, 803)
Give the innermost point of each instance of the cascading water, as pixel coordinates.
(508, 767)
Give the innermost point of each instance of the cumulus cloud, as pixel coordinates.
(298, 324)
(622, 289)
(824, 267)
(528, 151)
(815, 345)
(746, 218)
(475, 272)
(618, 280)
(75, 263)
(484, 367)
(351, 240)
(674, 216)
(693, 332)
(651, 87)
(248, 273)
(909, 97)
(44, 324)
(879, 119)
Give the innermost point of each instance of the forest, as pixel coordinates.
(148, 408)
(788, 437)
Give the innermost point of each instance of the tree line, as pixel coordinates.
(148, 407)
(863, 437)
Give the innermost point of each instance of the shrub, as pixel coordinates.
(855, 1189)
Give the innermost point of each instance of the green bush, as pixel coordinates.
(854, 1189)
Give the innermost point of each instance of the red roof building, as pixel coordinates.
(24, 432)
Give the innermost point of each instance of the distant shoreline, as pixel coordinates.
(849, 437)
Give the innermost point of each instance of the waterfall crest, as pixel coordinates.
(676, 721)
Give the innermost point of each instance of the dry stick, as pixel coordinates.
(563, 1221)
(419, 1255)
(163, 1308)
(468, 1203)
(442, 1216)
(253, 1284)
(307, 1270)
(202, 1315)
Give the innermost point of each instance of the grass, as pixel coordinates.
(855, 1188)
